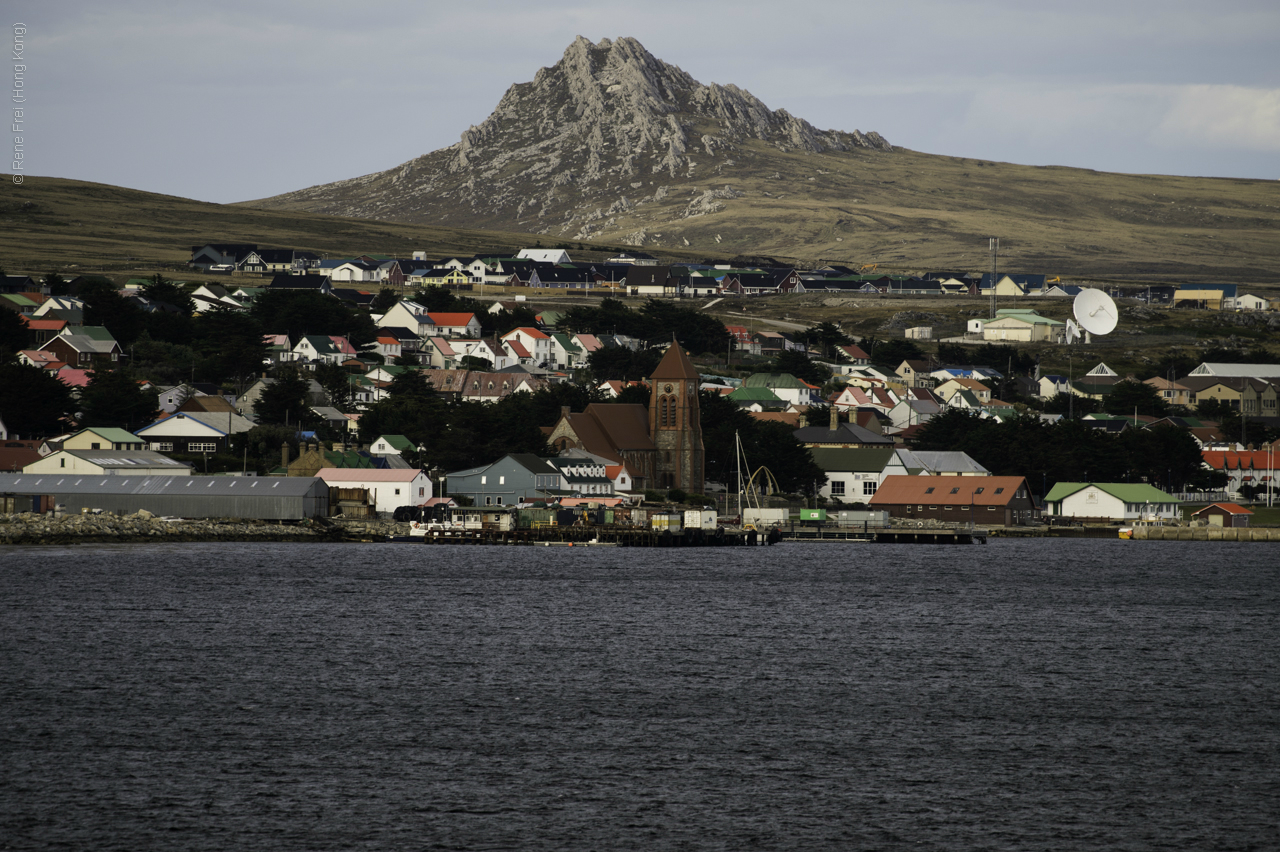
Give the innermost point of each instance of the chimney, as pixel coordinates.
(564, 411)
(835, 418)
(284, 454)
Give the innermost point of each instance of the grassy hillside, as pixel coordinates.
(76, 227)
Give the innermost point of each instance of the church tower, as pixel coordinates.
(675, 423)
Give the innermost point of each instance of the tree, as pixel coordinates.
(337, 384)
(799, 365)
(104, 306)
(384, 301)
(301, 312)
(114, 398)
(616, 363)
(231, 346)
(828, 336)
(285, 400)
(161, 289)
(891, 353)
(13, 333)
(33, 401)
(1127, 396)
(162, 362)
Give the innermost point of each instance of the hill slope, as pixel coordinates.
(612, 143)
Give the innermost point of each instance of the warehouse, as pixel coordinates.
(275, 498)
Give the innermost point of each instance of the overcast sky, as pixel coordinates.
(228, 101)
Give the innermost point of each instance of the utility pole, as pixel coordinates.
(994, 243)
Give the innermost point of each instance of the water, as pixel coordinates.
(1023, 695)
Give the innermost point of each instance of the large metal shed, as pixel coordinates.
(276, 498)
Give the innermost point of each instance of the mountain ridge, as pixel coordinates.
(612, 144)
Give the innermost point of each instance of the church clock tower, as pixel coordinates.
(675, 423)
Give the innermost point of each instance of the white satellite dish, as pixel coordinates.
(1095, 312)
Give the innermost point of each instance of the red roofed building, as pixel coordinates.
(456, 325)
(981, 500)
(1244, 467)
(1223, 515)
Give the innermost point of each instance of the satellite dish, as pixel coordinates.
(1095, 312)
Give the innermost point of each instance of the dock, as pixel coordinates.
(617, 536)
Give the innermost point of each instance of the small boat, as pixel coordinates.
(1126, 532)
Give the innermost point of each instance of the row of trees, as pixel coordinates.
(1071, 451)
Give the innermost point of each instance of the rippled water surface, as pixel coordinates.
(1022, 695)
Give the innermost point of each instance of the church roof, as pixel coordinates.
(675, 365)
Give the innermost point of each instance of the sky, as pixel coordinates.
(231, 101)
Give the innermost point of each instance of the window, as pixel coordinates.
(955, 490)
(95, 446)
(948, 508)
(868, 488)
(397, 492)
(991, 508)
(502, 480)
(488, 501)
(484, 480)
(999, 490)
(978, 490)
(837, 488)
(62, 462)
(202, 448)
(929, 490)
(162, 446)
(422, 492)
(499, 501)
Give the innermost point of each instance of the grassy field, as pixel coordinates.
(77, 227)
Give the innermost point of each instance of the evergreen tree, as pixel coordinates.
(285, 401)
(33, 401)
(114, 398)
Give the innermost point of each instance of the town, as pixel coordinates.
(395, 388)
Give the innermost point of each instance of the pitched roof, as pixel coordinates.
(956, 490)
(675, 364)
(1229, 508)
(1129, 492)
(350, 474)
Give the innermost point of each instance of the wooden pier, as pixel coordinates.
(606, 536)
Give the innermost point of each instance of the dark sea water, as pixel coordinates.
(1023, 695)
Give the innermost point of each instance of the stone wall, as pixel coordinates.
(29, 528)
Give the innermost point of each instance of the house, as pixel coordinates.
(951, 387)
(978, 500)
(1051, 386)
(529, 346)
(194, 432)
(1015, 324)
(1110, 501)
(1244, 371)
(916, 374)
(104, 438)
(1213, 297)
(785, 386)
(1250, 302)
(84, 346)
(316, 395)
(842, 435)
(219, 254)
(388, 489)
(108, 463)
(854, 474)
(326, 349)
(515, 478)
(392, 445)
(1223, 515)
(541, 255)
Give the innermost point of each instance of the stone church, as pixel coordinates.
(662, 447)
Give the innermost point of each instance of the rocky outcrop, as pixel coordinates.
(606, 122)
(28, 528)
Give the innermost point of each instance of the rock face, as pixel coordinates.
(584, 148)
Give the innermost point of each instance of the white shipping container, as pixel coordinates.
(665, 521)
(766, 517)
(700, 519)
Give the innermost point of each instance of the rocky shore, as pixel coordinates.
(27, 528)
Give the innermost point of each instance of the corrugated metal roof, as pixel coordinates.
(210, 486)
(340, 474)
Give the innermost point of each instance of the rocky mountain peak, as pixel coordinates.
(608, 129)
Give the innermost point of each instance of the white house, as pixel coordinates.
(1116, 501)
(109, 463)
(528, 345)
(410, 315)
(193, 431)
(388, 489)
(544, 255)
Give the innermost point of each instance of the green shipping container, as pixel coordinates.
(813, 514)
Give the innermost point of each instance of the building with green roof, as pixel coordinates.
(1110, 501)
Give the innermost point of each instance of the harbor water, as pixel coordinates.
(1030, 694)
